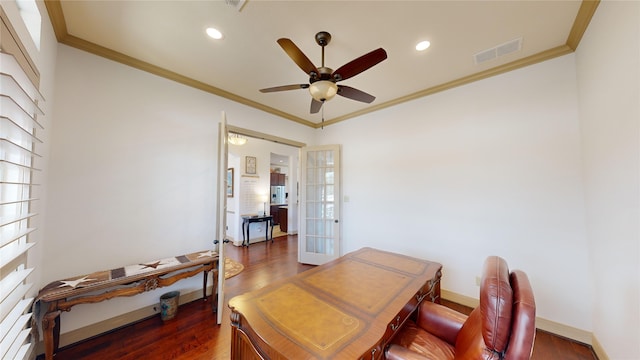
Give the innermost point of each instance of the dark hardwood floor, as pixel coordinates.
(193, 333)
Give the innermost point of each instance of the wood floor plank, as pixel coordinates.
(194, 334)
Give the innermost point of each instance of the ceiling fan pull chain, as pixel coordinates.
(322, 126)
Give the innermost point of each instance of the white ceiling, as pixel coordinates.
(171, 35)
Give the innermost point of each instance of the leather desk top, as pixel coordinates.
(336, 310)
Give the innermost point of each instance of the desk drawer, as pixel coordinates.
(429, 292)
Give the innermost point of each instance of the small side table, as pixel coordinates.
(246, 223)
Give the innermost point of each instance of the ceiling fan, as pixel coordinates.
(322, 80)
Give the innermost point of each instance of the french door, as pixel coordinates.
(319, 236)
(221, 223)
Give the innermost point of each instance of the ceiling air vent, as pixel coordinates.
(500, 50)
(485, 56)
(238, 4)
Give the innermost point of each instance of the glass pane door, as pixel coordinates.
(319, 238)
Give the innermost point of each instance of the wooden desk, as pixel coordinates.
(130, 280)
(346, 309)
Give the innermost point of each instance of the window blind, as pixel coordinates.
(19, 145)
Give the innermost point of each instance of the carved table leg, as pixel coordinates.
(51, 331)
(204, 284)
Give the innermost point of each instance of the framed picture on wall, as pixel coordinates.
(230, 182)
(250, 164)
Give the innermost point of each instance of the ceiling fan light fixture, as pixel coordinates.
(323, 90)
(235, 139)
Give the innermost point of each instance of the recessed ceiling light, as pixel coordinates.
(214, 33)
(423, 45)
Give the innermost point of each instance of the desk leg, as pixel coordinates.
(51, 332)
(248, 236)
(204, 284)
(271, 229)
(243, 234)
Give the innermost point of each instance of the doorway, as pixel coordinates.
(252, 165)
(280, 185)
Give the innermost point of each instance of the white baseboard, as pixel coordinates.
(579, 335)
(585, 337)
(459, 299)
(599, 350)
(102, 327)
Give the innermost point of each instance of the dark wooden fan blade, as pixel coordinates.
(315, 106)
(355, 94)
(297, 56)
(356, 66)
(285, 87)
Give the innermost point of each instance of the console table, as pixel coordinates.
(349, 308)
(247, 220)
(130, 280)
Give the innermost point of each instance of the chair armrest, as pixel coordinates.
(397, 352)
(440, 321)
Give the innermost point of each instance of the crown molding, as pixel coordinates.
(585, 13)
(530, 60)
(54, 9)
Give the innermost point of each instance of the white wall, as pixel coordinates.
(488, 168)
(608, 62)
(133, 173)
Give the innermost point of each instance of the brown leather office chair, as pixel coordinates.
(501, 327)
